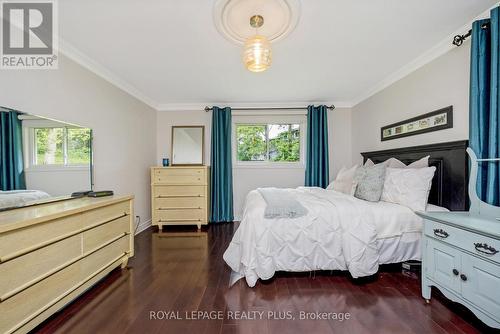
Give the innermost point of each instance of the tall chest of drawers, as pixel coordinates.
(461, 257)
(52, 253)
(180, 195)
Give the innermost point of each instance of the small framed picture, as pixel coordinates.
(433, 121)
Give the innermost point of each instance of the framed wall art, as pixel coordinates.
(433, 121)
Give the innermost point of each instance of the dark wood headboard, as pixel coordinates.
(449, 185)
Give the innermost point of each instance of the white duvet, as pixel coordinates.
(339, 232)
(15, 198)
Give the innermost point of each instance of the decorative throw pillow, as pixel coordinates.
(370, 182)
(408, 186)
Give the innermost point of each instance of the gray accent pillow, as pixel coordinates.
(370, 182)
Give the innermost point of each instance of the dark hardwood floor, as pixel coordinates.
(184, 271)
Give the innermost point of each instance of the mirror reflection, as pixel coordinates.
(41, 159)
(187, 145)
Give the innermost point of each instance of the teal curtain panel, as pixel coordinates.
(484, 123)
(221, 191)
(11, 152)
(317, 147)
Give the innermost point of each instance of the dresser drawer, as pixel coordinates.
(107, 213)
(25, 305)
(104, 256)
(33, 266)
(98, 236)
(19, 241)
(477, 244)
(180, 176)
(178, 191)
(180, 203)
(181, 215)
(30, 302)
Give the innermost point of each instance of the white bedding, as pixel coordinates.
(15, 198)
(340, 232)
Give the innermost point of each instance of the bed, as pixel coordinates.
(341, 232)
(15, 198)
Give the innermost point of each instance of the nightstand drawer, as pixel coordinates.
(443, 232)
(477, 244)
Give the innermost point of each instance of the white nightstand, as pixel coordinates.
(461, 253)
(461, 257)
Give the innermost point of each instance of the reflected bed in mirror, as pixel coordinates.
(188, 145)
(43, 160)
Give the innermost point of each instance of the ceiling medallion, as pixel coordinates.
(231, 18)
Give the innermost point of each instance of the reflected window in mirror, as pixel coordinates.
(59, 146)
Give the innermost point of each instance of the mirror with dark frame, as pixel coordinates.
(43, 160)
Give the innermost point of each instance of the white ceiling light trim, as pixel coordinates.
(231, 18)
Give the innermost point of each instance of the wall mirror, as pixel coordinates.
(188, 145)
(48, 159)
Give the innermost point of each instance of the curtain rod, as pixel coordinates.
(207, 108)
(458, 40)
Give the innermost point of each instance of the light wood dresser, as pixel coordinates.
(51, 253)
(180, 195)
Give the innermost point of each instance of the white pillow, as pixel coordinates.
(395, 163)
(369, 163)
(346, 174)
(408, 186)
(344, 182)
(345, 187)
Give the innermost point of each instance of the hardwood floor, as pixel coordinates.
(184, 271)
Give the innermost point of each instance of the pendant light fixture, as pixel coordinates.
(257, 55)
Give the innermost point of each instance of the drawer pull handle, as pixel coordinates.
(441, 233)
(485, 249)
(455, 272)
(463, 277)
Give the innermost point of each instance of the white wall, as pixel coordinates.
(123, 127)
(58, 181)
(443, 82)
(246, 179)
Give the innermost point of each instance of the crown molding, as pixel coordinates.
(201, 106)
(93, 66)
(435, 52)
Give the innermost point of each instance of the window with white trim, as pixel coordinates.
(271, 143)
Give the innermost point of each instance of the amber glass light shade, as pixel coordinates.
(257, 55)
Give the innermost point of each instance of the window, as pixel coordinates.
(61, 146)
(272, 143)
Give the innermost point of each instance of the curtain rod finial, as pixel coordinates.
(207, 109)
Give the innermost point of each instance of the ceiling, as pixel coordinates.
(170, 54)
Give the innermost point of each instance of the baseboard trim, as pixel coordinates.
(143, 226)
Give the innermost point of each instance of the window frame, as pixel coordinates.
(31, 150)
(269, 120)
